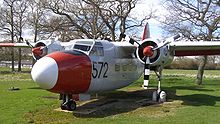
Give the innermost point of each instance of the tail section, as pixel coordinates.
(146, 33)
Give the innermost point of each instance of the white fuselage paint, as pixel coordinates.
(114, 70)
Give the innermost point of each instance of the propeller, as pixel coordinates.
(38, 50)
(148, 51)
(29, 44)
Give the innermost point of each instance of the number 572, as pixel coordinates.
(99, 70)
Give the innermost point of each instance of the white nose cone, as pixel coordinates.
(45, 72)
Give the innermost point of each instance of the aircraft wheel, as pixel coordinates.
(162, 96)
(63, 107)
(71, 105)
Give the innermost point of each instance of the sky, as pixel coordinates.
(144, 7)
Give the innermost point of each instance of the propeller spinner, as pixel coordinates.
(39, 50)
(148, 51)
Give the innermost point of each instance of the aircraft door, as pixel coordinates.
(102, 57)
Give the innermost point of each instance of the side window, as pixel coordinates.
(100, 51)
(93, 51)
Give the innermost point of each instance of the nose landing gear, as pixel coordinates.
(68, 103)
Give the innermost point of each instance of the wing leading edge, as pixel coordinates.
(198, 48)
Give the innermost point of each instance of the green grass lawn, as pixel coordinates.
(187, 102)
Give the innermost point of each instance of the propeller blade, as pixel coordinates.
(176, 37)
(146, 72)
(144, 58)
(122, 36)
(29, 44)
(132, 41)
(166, 43)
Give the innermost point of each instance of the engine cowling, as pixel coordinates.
(159, 56)
(44, 47)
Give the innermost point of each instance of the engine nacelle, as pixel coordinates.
(160, 56)
(44, 47)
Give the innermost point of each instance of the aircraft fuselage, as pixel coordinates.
(100, 67)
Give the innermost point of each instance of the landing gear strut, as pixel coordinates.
(159, 95)
(68, 103)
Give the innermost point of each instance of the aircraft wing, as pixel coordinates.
(125, 49)
(14, 45)
(196, 48)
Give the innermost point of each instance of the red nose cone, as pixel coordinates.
(37, 51)
(148, 51)
(74, 72)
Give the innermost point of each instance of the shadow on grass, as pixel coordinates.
(116, 102)
(119, 102)
(192, 88)
(35, 88)
(201, 99)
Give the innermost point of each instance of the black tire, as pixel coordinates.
(63, 107)
(163, 99)
(71, 105)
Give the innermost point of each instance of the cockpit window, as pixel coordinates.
(97, 49)
(89, 43)
(94, 48)
(82, 47)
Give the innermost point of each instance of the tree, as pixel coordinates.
(36, 18)
(13, 18)
(196, 20)
(93, 18)
(68, 19)
(20, 21)
(7, 23)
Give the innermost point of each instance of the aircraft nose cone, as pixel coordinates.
(45, 72)
(74, 71)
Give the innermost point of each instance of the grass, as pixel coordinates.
(187, 102)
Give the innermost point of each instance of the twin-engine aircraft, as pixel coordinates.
(80, 67)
